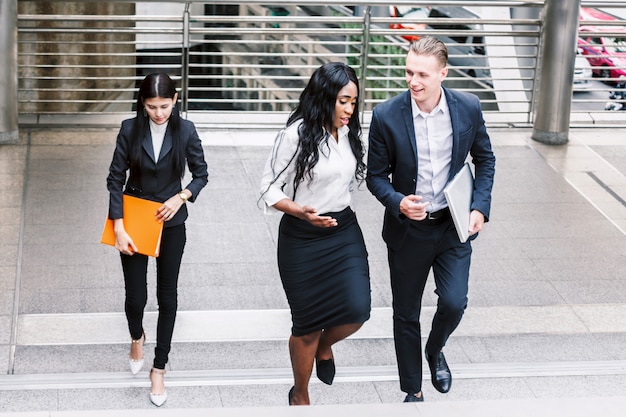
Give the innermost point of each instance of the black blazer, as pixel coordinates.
(392, 156)
(157, 181)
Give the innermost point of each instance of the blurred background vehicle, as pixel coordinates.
(605, 52)
(617, 98)
(417, 13)
(582, 72)
(466, 51)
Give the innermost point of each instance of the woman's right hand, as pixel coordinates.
(307, 213)
(310, 214)
(123, 242)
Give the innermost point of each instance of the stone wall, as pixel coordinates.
(72, 56)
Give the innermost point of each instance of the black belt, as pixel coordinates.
(436, 217)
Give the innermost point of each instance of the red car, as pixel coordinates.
(588, 13)
(605, 52)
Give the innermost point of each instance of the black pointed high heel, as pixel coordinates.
(326, 371)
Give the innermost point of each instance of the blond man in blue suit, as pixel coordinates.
(418, 141)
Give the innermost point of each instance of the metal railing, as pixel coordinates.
(252, 57)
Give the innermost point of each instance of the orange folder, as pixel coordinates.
(140, 224)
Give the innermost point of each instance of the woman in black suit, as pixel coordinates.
(153, 148)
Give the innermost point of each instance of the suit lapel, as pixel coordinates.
(147, 145)
(407, 117)
(167, 143)
(165, 148)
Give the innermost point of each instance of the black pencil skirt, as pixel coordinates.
(324, 272)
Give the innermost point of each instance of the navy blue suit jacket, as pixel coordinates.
(157, 180)
(392, 156)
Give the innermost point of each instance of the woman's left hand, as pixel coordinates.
(169, 208)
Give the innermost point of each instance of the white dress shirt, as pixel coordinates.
(333, 175)
(158, 134)
(433, 134)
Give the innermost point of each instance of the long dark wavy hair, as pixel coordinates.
(156, 85)
(316, 109)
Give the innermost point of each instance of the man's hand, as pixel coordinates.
(477, 221)
(412, 207)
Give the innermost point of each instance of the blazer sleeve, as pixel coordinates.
(117, 171)
(196, 162)
(484, 162)
(381, 163)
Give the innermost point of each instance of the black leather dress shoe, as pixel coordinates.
(414, 398)
(439, 372)
(291, 394)
(326, 371)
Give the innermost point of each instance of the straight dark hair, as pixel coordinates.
(316, 109)
(162, 86)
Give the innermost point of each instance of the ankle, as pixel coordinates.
(141, 339)
(324, 352)
(299, 398)
(157, 380)
(136, 348)
(158, 371)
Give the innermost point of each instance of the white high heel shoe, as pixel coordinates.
(157, 399)
(137, 364)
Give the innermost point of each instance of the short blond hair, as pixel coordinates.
(429, 45)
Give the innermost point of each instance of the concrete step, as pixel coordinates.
(240, 389)
(218, 361)
(280, 376)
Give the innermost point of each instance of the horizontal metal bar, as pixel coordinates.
(98, 18)
(80, 90)
(84, 54)
(84, 78)
(82, 31)
(93, 66)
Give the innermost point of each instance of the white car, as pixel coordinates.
(582, 73)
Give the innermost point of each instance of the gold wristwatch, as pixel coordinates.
(183, 196)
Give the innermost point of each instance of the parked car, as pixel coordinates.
(582, 72)
(589, 13)
(605, 52)
(466, 51)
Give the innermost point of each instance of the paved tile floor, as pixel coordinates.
(544, 333)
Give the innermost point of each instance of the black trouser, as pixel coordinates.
(135, 269)
(427, 246)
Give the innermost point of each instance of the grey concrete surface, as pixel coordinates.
(545, 329)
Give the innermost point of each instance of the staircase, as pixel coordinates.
(545, 322)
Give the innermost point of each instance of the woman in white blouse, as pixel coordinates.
(322, 257)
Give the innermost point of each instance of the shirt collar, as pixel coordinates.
(441, 107)
(341, 132)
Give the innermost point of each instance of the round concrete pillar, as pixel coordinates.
(8, 75)
(558, 55)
